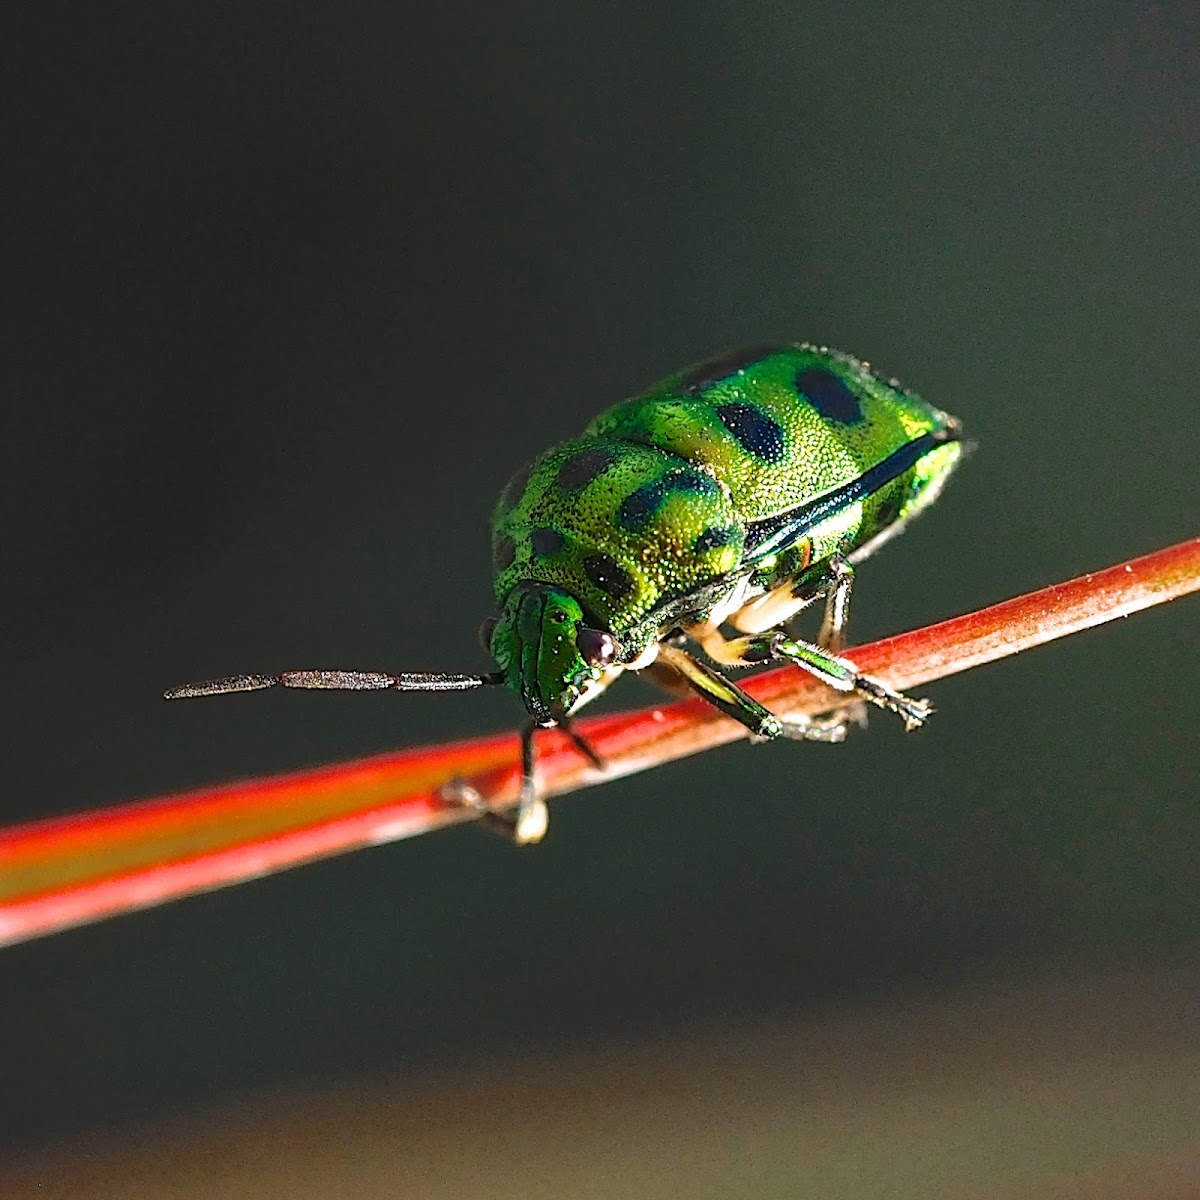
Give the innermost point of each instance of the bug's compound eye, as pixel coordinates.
(596, 647)
(485, 633)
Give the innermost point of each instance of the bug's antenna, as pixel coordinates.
(341, 681)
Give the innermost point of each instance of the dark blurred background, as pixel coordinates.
(287, 293)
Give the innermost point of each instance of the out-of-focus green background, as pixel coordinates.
(287, 293)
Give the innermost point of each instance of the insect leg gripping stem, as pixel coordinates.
(528, 821)
(524, 825)
(721, 693)
(726, 696)
(831, 669)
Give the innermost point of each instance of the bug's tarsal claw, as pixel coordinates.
(830, 730)
(531, 821)
(916, 713)
(458, 793)
(523, 825)
(913, 712)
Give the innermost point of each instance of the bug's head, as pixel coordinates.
(545, 651)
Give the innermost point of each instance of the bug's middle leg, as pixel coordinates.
(837, 587)
(836, 618)
(730, 699)
(721, 693)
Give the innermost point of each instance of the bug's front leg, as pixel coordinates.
(527, 822)
(524, 824)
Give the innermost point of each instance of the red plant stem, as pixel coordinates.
(70, 870)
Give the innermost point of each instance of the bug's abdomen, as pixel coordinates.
(777, 426)
(621, 526)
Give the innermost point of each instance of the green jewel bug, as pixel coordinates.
(729, 496)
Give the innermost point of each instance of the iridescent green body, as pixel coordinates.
(720, 484)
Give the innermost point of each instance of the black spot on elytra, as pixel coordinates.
(714, 539)
(889, 506)
(608, 576)
(830, 395)
(503, 553)
(515, 486)
(702, 377)
(640, 506)
(582, 467)
(754, 430)
(545, 541)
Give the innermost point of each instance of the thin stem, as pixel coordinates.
(71, 870)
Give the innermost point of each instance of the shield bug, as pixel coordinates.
(681, 532)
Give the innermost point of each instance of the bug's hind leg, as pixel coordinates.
(832, 670)
(730, 699)
(822, 659)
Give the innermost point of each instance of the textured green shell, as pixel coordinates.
(691, 486)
